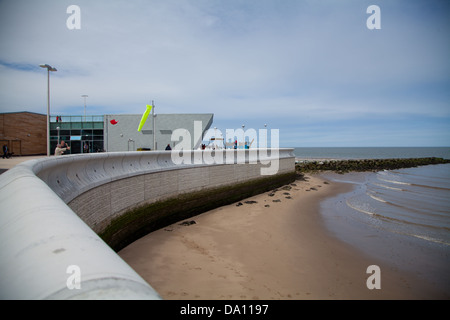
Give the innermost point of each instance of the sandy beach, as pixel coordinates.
(273, 246)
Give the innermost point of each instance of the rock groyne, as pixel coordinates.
(343, 166)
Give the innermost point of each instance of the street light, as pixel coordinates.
(85, 96)
(49, 68)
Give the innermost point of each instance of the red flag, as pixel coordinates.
(113, 122)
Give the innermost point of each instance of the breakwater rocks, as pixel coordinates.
(343, 166)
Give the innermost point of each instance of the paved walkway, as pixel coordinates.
(6, 164)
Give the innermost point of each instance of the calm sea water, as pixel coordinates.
(399, 216)
(372, 153)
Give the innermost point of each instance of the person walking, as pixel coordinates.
(5, 151)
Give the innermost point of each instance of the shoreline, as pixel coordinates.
(265, 250)
(425, 262)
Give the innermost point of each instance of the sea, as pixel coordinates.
(371, 152)
(400, 217)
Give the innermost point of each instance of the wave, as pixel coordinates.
(377, 199)
(426, 238)
(429, 187)
(430, 239)
(368, 210)
(400, 222)
(387, 187)
(413, 185)
(395, 182)
(416, 180)
(354, 207)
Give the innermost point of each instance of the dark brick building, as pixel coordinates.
(25, 133)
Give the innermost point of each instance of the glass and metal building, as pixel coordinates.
(118, 132)
(84, 134)
(24, 133)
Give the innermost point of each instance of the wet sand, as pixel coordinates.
(274, 248)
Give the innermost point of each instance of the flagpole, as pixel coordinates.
(154, 129)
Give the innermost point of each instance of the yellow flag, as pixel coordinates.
(144, 117)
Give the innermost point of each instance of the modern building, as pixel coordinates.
(25, 133)
(121, 131)
(84, 134)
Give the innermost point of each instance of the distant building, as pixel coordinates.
(118, 132)
(121, 131)
(84, 134)
(25, 133)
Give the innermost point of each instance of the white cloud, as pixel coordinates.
(240, 59)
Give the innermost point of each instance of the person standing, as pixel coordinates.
(60, 148)
(5, 151)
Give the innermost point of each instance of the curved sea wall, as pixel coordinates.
(62, 217)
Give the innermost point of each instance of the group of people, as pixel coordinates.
(59, 150)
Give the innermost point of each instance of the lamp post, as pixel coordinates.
(265, 130)
(49, 68)
(84, 96)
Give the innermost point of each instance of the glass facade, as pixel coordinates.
(83, 134)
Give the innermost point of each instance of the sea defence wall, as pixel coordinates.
(62, 218)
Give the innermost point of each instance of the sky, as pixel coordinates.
(312, 69)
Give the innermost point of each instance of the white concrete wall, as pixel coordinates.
(41, 235)
(124, 136)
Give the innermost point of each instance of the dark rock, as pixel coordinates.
(187, 223)
(343, 166)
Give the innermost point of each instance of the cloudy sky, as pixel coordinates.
(310, 68)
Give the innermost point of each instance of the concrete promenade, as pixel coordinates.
(6, 164)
